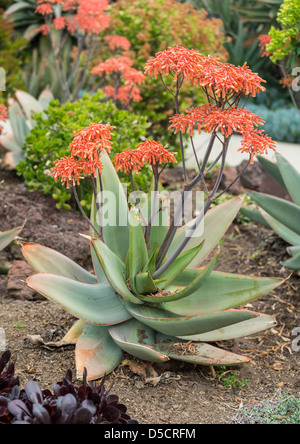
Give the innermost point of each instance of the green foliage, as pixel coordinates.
(284, 408)
(11, 58)
(54, 133)
(285, 41)
(229, 379)
(279, 214)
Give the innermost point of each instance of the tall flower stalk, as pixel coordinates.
(227, 89)
(150, 295)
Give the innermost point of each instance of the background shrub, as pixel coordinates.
(54, 132)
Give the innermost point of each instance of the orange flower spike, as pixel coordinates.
(175, 60)
(3, 113)
(67, 170)
(255, 142)
(128, 160)
(155, 153)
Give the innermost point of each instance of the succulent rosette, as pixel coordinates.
(154, 292)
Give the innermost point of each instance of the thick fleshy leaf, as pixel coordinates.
(259, 323)
(293, 251)
(29, 105)
(291, 178)
(175, 292)
(116, 213)
(138, 340)
(293, 263)
(96, 262)
(96, 304)
(272, 169)
(137, 254)
(97, 352)
(216, 223)
(221, 291)
(114, 270)
(254, 215)
(73, 334)
(175, 325)
(180, 264)
(284, 211)
(6, 237)
(45, 260)
(144, 284)
(160, 223)
(282, 230)
(197, 353)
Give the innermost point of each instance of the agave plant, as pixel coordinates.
(281, 215)
(21, 110)
(154, 293)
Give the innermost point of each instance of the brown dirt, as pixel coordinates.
(173, 393)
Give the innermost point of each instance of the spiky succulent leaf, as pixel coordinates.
(291, 178)
(116, 212)
(282, 230)
(6, 237)
(138, 340)
(287, 213)
(137, 254)
(272, 169)
(114, 270)
(293, 263)
(197, 353)
(220, 291)
(97, 304)
(180, 264)
(46, 260)
(256, 324)
(97, 352)
(216, 223)
(175, 325)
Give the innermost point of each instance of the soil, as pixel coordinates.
(172, 393)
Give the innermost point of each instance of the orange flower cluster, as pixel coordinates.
(122, 67)
(223, 80)
(151, 152)
(88, 16)
(85, 157)
(176, 61)
(256, 142)
(117, 42)
(212, 119)
(264, 40)
(3, 114)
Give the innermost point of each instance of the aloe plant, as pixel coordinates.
(191, 304)
(154, 292)
(279, 214)
(21, 110)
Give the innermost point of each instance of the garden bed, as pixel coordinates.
(170, 393)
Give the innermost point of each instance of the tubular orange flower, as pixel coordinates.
(113, 64)
(256, 142)
(44, 9)
(67, 170)
(117, 41)
(211, 118)
(128, 160)
(3, 113)
(155, 153)
(175, 60)
(264, 40)
(225, 80)
(59, 23)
